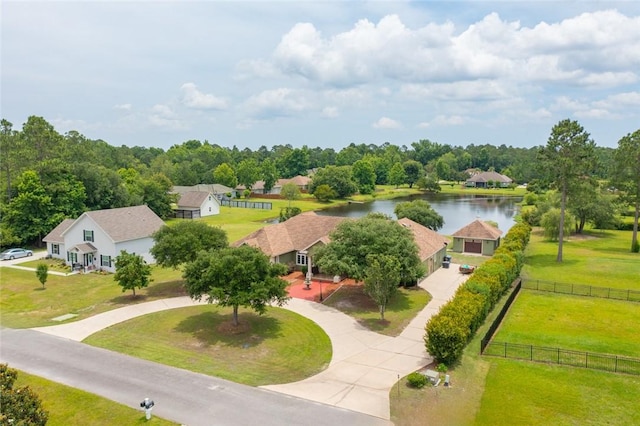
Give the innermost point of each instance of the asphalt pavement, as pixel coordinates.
(353, 390)
(182, 396)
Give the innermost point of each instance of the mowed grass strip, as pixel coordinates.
(597, 258)
(278, 347)
(577, 323)
(70, 406)
(25, 303)
(402, 308)
(524, 393)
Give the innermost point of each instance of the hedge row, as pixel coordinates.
(448, 332)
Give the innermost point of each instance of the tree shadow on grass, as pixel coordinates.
(549, 260)
(211, 328)
(129, 299)
(167, 289)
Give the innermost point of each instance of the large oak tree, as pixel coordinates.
(236, 276)
(180, 243)
(375, 234)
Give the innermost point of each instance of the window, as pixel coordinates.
(301, 258)
(55, 249)
(209, 209)
(72, 257)
(88, 235)
(105, 261)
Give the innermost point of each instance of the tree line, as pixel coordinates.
(46, 176)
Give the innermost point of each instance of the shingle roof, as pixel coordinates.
(55, 236)
(295, 234)
(192, 199)
(479, 230)
(487, 176)
(214, 188)
(126, 223)
(429, 242)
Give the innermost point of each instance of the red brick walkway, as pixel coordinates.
(318, 290)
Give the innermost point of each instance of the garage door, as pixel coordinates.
(473, 246)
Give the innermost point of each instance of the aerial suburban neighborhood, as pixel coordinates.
(251, 221)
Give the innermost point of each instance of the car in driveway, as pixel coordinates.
(15, 253)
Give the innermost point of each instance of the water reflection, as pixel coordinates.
(457, 210)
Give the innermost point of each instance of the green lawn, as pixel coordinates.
(599, 258)
(26, 304)
(278, 347)
(494, 391)
(401, 310)
(70, 406)
(523, 393)
(573, 322)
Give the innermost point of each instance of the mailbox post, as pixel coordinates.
(147, 405)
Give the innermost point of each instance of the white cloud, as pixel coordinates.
(276, 103)
(123, 107)
(452, 120)
(386, 123)
(193, 98)
(163, 116)
(330, 112)
(591, 47)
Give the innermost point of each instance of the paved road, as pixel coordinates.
(182, 396)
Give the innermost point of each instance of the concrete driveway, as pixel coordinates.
(364, 366)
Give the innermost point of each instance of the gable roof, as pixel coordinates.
(193, 199)
(479, 230)
(125, 223)
(55, 236)
(429, 242)
(487, 176)
(214, 188)
(296, 234)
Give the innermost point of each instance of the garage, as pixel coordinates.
(473, 246)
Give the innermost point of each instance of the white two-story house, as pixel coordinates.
(95, 239)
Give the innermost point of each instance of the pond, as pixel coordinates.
(457, 210)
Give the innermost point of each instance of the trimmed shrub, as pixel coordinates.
(417, 380)
(448, 332)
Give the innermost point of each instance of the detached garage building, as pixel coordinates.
(478, 237)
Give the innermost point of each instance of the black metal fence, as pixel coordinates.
(582, 290)
(613, 363)
(498, 320)
(247, 204)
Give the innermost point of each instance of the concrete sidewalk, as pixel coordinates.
(364, 366)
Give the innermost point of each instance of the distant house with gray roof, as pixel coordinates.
(482, 180)
(95, 239)
(220, 191)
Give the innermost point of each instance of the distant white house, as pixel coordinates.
(195, 204)
(95, 239)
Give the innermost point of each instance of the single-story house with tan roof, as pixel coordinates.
(95, 239)
(477, 237)
(432, 247)
(291, 242)
(302, 182)
(196, 204)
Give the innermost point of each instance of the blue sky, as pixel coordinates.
(322, 73)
